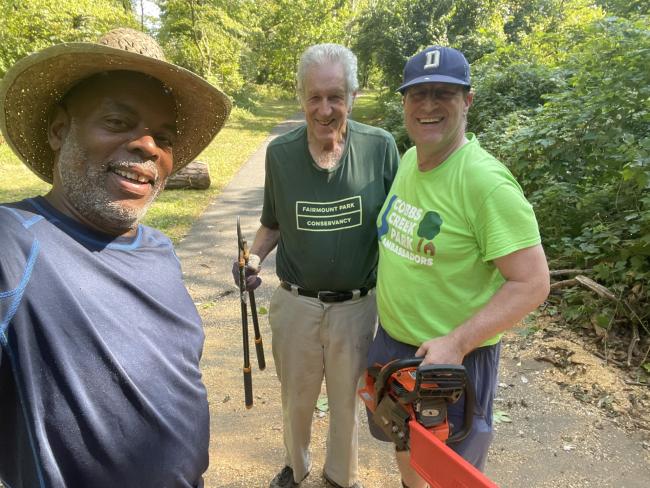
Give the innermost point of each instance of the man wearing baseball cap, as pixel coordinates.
(99, 340)
(460, 259)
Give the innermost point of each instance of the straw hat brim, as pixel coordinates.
(36, 83)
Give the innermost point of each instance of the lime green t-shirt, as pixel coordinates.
(326, 217)
(439, 231)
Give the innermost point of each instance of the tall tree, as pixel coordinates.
(207, 37)
(285, 28)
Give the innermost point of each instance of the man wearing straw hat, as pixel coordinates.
(100, 342)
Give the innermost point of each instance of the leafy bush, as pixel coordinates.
(584, 158)
(500, 90)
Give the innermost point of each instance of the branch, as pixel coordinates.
(599, 289)
(561, 272)
(563, 284)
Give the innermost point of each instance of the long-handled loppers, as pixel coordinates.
(243, 255)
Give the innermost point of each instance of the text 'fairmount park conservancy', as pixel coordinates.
(329, 216)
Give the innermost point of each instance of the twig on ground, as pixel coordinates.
(608, 359)
(636, 383)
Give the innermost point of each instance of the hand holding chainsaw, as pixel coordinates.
(441, 350)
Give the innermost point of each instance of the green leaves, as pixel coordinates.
(501, 417)
(30, 25)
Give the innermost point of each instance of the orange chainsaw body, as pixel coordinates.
(410, 405)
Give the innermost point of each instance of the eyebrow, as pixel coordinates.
(110, 103)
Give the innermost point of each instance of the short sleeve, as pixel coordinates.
(505, 223)
(269, 218)
(391, 163)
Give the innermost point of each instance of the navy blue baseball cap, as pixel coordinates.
(436, 64)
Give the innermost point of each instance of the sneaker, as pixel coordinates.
(331, 484)
(284, 479)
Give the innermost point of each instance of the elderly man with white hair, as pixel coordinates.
(325, 183)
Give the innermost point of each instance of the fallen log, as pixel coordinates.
(194, 176)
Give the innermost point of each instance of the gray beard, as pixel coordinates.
(86, 189)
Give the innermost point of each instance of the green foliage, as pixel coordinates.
(583, 158)
(207, 37)
(500, 90)
(393, 30)
(393, 119)
(29, 25)
(285, 28)
(499, 417)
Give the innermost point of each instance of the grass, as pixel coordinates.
(175, 210)
(366, 109)
(16, 180)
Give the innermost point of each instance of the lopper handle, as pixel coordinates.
(248, 387)
(259, 345)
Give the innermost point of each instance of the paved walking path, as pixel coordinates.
(246, 445)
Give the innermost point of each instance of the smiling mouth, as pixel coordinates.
(431, 120)
(131, 176)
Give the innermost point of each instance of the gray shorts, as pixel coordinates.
(482, 367)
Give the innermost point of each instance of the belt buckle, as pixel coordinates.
(334, 296)
(328, 296)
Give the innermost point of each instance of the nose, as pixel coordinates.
(324, 108)
(145, 145)
(430, 102)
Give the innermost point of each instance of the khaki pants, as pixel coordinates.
(312, 339)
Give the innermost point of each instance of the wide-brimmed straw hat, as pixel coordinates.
(36, 83)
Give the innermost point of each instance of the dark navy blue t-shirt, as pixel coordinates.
(99, 359)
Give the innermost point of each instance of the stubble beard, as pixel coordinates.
(85, 187)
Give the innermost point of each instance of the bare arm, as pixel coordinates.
(265, 241)
(527, 286)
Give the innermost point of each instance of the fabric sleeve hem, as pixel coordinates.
(512, 248)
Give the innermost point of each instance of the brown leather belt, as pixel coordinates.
(326, 296)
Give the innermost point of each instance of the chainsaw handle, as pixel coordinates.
(388, 369)
(468, 414)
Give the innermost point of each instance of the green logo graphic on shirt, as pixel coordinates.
(329, 216)
(408, 231)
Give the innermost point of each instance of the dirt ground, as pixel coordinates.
(565, 419)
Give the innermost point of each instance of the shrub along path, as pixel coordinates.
(555, 428)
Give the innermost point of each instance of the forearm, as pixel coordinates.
(526, 286)
(265, 241)
(506, 308)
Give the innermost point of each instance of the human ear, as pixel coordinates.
(468, 101)
(58, 127)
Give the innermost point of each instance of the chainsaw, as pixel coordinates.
(409, 403)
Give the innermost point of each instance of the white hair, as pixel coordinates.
(320, 54)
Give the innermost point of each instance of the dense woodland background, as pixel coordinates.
(562, 98)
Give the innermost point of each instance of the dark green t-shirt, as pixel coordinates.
(328, 239)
